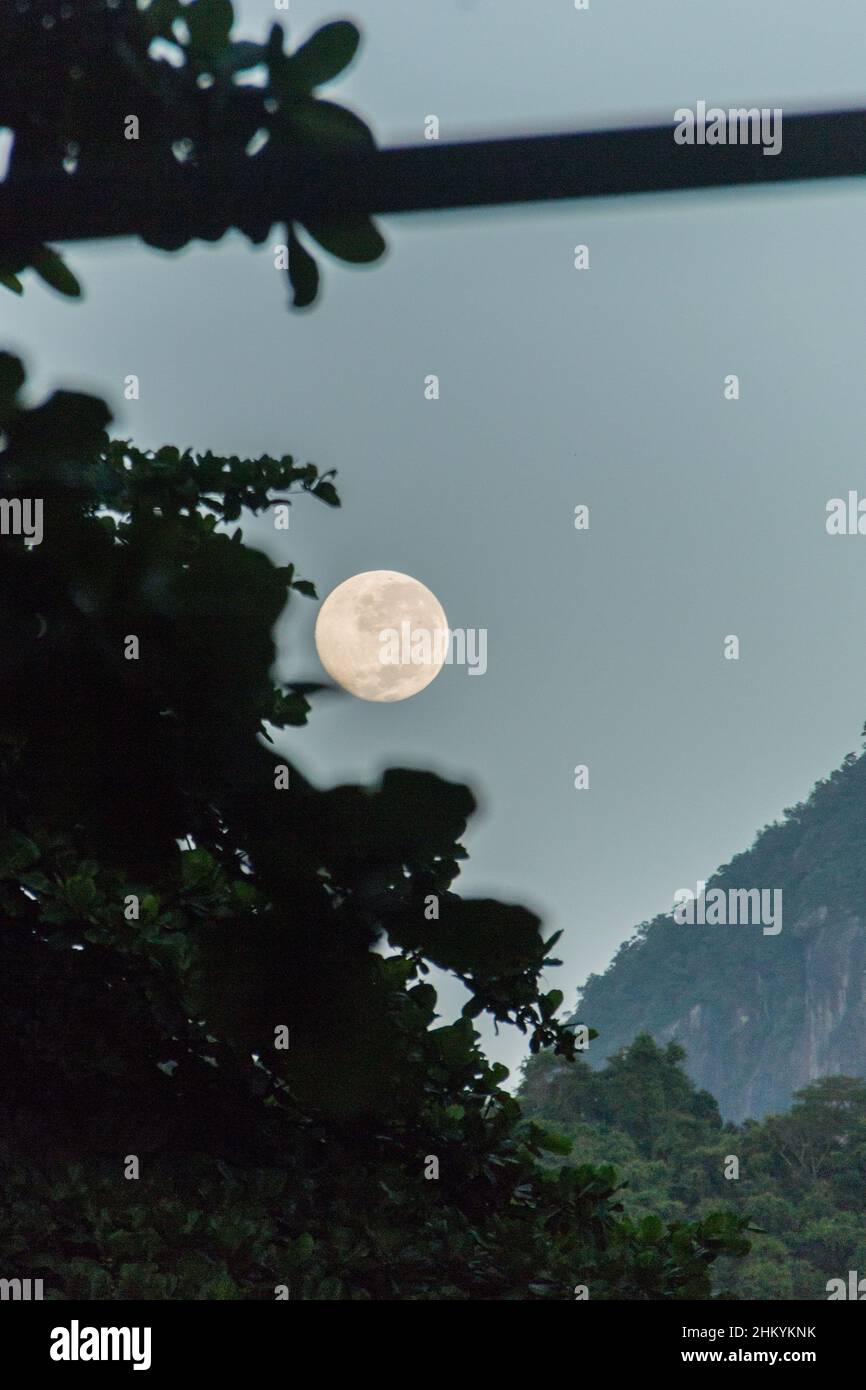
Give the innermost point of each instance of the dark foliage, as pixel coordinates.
(168, 905)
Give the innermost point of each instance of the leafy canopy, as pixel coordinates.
(74, 77)
(169, 907)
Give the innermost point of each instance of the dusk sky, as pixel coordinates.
(559, 387)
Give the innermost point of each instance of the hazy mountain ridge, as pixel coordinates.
(760, 1016)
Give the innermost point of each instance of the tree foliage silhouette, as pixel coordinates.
(171, 911)
(107, 88)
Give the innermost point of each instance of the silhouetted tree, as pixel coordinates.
(207, 963)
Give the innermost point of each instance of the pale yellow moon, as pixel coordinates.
(382, 635)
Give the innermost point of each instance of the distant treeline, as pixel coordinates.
(800, 1174)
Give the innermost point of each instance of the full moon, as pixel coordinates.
(382, 635)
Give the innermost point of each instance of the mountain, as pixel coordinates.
(761, 1013)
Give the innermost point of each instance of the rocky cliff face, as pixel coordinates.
(760, 1016)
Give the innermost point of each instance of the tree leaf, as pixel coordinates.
(326, 122)
(552, 1143)
(11, 377)
(17, 853)
(326, 492)
(303, 273)
(356, 242)
(54, 271)
(324, 55)
(209, 23)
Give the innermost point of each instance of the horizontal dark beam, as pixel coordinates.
(603, 163)
(344, 184)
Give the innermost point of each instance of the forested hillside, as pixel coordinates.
(800, 1179)
(760, 1015)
